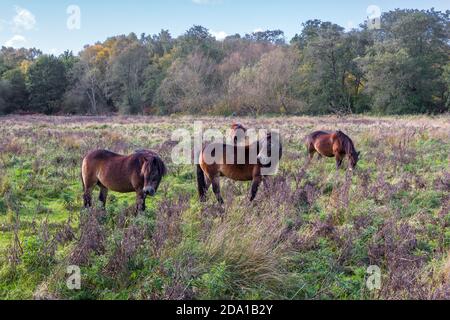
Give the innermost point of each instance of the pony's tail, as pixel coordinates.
(82, 182)
(309, 143)
(307, 140)
(82, 177)
(201, 183)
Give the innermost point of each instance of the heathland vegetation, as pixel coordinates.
(401, 68)
(312, 232)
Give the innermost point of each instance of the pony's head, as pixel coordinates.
(238, 132)
(350, 150)
(354, 158)
(153, 170)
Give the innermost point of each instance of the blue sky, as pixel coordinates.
(43, 23)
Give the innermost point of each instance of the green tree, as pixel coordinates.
(127, 75)
(275, 37)
(16, 95)
(405, 68)
(158, 44)
(199, 39)
(4, 97)
(46, 84)
(331, 78)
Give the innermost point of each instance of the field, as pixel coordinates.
(312, 233)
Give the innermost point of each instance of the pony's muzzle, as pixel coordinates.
(149, 191)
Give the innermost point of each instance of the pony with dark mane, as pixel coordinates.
(238, 132)
(241, 166)
(140, 172)
(332, 144)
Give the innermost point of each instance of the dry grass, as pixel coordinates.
(311, 234)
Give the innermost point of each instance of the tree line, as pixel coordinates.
(402, 68)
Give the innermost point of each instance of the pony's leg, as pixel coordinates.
(143, 207)
(216, 189)
(208, 183)
(339, 160)
(103, 196)
(87, 198)
(311, 151)
(140, 201)
(265, 183)
(255, 186)
(89, 183)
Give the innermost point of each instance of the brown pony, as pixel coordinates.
(332, 144)
(244, 170)
(237, 132)
(140, 172)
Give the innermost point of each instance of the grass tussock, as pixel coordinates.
(312, 232)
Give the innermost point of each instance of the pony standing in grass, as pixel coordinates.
(140, 172)
(242, 168)
(332, 145)
(238, 132)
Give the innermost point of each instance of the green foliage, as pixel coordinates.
(306, 237)
(400, 69)
(15, 94)
(404, 68)
(47, 84)
(215, 284)
(38, 255)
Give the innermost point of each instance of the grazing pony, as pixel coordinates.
(140, 172)
(332, 144)
(238, 132)
(241, 168)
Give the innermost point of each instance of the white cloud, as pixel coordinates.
(17, 41)
(220, 35)
(258, 30)
(24, 20)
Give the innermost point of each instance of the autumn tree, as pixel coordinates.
(401, 68)
(189, 85)
(266, 87)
